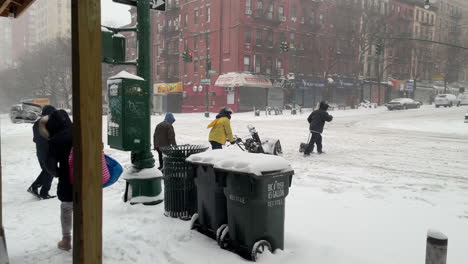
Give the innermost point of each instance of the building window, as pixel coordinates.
(186, 20)
(258, 37)
(248, 35)
(279, 65)
(208, 15)
(270, 37)
(195, 66)
(195, 17)
(258, 61)
(185, 68)
(195, 43)
(281, 11)
(294, 11)
(291, 37)
(248, 5)
(246, 63)
(321, 19)
(270, 12)
(259, 4)
(268, 65)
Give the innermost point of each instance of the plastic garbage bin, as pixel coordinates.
(180, 194)
(256, 206)
(256, 186)
(211, 202)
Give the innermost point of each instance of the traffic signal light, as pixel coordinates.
(284, 46)
(378, 49)
(187, 56)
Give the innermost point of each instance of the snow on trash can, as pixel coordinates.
(255, 190)
(180, 193)
(211, 201)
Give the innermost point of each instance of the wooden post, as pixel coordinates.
(3, 248)
(436, 247)
(87, 131)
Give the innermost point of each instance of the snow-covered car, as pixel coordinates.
(402, 104)
(446, 100)
(25, 113)
(463, 97)
(366, 104)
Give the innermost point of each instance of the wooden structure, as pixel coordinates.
(87, 127)
(14, 8)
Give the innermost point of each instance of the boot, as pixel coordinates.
(65, 243)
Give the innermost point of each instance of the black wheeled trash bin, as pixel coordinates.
(255, 206)
(180, 193)
(211, 202)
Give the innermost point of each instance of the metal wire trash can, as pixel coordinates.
(180, 192)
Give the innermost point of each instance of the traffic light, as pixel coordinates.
(187, 56)
(284, 46)
(378, 49)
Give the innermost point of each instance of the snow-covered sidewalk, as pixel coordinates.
(387, 177)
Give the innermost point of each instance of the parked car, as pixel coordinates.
(446, 100)
(402, 104)
(25, 113)
(463, 97)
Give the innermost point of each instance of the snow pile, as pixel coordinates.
(126, 75)
(239, 161)
(133, 173)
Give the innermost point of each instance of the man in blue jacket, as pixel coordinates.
(317, 121)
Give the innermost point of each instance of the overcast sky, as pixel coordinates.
(114, 13)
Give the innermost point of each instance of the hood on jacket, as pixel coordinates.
(47, 110)
(323, 106)
(169, 118)
(58, 121)
(225, 112)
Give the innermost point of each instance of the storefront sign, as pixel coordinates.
(167, 88)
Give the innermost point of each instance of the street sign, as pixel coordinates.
(159, 5)
(211, 71)
(205, 80)
(409, 86)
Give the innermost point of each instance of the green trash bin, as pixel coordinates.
(180, 193)
(255, 205)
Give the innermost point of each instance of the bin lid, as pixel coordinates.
(240, 161)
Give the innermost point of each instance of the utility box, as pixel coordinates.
(128, 118)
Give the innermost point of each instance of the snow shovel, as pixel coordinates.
(303, 146)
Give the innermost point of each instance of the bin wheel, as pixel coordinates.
(222, 236)
(259, 248)
(194, 222)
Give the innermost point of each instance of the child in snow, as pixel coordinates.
(317, 121)
(57, 127)
(221, 129)
(164, 135)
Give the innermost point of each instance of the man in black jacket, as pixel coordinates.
(164, 135)
(317, 121)
(44, 180)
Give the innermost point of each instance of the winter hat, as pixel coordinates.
(225, 112)
(169, 118)
(323, 106)
(47, 110)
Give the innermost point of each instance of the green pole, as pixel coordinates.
(207, 96)
(144, 158)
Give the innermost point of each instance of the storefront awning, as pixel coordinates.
(234, 79)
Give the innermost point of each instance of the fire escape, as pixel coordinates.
(169, 36)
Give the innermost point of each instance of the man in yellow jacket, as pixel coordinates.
(221, 129)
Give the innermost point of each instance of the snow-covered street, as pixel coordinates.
(386, 178)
